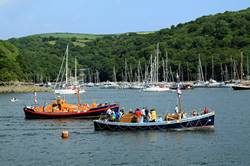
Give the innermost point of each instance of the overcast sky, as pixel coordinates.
(25, 17)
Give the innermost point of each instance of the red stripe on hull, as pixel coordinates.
(92, 113)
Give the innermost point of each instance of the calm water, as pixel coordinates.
(38, 142)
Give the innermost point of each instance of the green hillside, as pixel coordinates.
(10, 62)
(221, 36)
(71, 35)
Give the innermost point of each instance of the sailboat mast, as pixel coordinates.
(232, 69)
(188, 72)
(226, 73)
(247, 68)
(67, 56)
(179, 93)
(163, 70)
(157, 63)
(200, 71)
(151, 68)
(75, 70)
(114, 75)
(212, 67)
(222, 72)
(125, 72)
(241, 66)
(166, 67)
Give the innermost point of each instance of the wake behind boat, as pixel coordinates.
(13, 99)
(68, 90)
(156, 88)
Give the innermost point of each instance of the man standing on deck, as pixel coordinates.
(176, 109)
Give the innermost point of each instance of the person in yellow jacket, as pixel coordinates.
(153, 115)
(94, 105)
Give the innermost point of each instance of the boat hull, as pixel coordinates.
(68, 91)
(201, 121)
(93, 113)
(239, 87)
(153, 89)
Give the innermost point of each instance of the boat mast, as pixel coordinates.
(188, 72)
(241, 65)
(163, 70)
(166, 77)
(247, 68)
(75, 71)
(222, 72)
(67, 55)
(179, 94)
(236, 75)
(126, 74)
(151, 68)
(157, 63)
(114, 75)
(226, 73)
(200, 71)
(212, 67)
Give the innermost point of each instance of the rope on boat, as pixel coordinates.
(132, 127)
(100, 126)
(111, 127)
(123, 128)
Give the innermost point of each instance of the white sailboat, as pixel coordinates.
(200, 83)
(154, 85)
(67, 88)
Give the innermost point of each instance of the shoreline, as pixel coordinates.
(23, 89)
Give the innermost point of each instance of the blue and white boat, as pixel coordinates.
(203, 121)
(176, 121)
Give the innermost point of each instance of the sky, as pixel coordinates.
(26, 17)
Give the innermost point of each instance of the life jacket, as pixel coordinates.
(138, 113)
(94, 105)
(153, 115)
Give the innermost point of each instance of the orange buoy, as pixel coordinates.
(65, 134)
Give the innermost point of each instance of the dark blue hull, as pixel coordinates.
(204, 121)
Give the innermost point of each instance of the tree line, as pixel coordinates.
(221, 37)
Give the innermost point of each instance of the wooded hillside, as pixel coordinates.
(221, 36)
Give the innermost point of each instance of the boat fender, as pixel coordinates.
(65, 134)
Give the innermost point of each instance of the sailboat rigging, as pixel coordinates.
(67, 87)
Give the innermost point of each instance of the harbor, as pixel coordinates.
(124, 83)
(219, 146)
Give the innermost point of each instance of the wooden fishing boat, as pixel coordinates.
(176, 121)
(192, 122)
(61, 109)
(72, 111)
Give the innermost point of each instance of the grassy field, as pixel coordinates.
(23, 89)
(70, 35)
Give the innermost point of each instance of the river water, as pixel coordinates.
(38, 142)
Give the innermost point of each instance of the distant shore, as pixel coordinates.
(23, 88)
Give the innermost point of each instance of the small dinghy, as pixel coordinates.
(13, 99)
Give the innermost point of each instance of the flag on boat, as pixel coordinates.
(178, 85)
(178, 90)
(35, 99)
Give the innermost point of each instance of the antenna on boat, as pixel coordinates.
(78, 98)
(179, 93)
